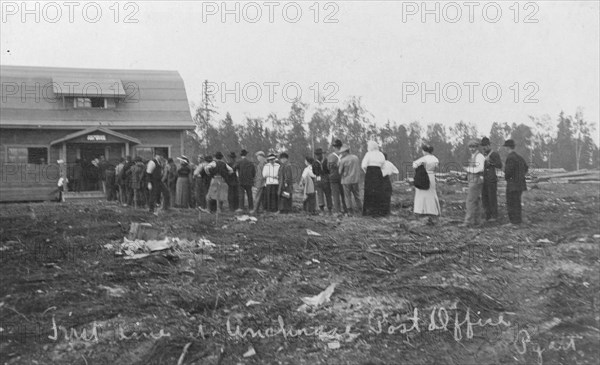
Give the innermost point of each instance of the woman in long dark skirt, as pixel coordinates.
(182, 189)
(374, 196)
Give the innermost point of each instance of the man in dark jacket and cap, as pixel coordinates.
(246, 172)
(514, 172)
(489, 194)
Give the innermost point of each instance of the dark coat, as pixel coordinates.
(320, 169)
(246, 170)
(286, 178)
(492, 162)
(514, 172)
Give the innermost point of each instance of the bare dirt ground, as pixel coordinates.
(407, 292)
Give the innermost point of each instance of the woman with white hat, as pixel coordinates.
(271, 174)
(182, 189)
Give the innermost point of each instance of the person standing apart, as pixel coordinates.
(246, 172)
(307, 183)
(374, 195)
(475, 179)
(350, 176)
(182, 188)
(489, 194)
(388, 170)
(322, 186)
(155, 183)
(286, 184)
(514, 172)
(271, 174)
(259, 183)
(426, 201)
(335, 180)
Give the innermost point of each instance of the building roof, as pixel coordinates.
(32, 97)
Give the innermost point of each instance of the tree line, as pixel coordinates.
(564, 142)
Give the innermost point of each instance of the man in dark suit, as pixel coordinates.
(489, 196)
(514, 172)
(246, 172)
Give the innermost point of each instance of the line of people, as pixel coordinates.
(329, 184)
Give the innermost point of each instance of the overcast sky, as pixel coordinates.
(545, 52)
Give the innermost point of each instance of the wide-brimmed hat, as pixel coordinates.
(473, 143)
(509, 143)
(271, 156)
(184, 159)
(337, 143)
(260, 153)
(283, 155)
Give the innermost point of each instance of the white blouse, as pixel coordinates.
(389, 169)
(373, 158)
(308, 172)
(271, 173)
(429, 161)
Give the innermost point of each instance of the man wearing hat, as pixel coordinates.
(335, 180)
(322, 186)
(350, 176)
(233, 185)
(514, 172)
(475, 178)
(490, 180)
(219, 171)
(156, 186)
(246, 172)
(259, 183)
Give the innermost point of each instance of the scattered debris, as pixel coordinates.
(544, 240)
(333, 345)
(321, 298)
(313, 233)
(245, 218)
(252, 302)
(135, 249)
(251, 352)
(117, 291)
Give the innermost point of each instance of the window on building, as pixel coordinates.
(148, 153)
(99, 103)
(37, 155)
(25, 155)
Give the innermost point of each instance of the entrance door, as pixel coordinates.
(90, 151)
(91, 173)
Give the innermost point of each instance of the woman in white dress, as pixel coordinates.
(426, 201)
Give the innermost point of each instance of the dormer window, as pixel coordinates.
(97, 103)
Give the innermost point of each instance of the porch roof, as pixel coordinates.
(83, 132)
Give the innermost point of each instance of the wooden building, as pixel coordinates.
(52, 115)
